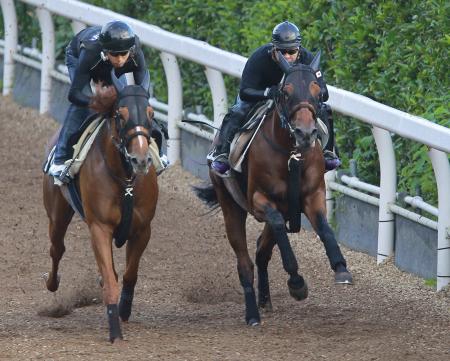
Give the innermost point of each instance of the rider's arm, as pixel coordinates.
(81, 78)
(254, 95)
(141, 66)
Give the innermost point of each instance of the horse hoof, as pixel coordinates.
(343, 278)
(298, 293)
(52, 285)
(124, 313)
(253, 322)
(266, 307)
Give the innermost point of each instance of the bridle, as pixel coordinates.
(285, 114)
(124, 137)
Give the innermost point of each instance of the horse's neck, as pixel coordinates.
(277, 133)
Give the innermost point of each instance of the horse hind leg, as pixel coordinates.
(235, 217)
(135, 248)
(298, 288)
(235, 227)
(60, 214)
(264, 247)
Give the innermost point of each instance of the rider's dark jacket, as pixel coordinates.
(262, 72)
(84, 53)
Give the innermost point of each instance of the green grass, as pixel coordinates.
(431, 282)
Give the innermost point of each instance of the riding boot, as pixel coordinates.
(219, 155)
(67, 138)
(332, 161)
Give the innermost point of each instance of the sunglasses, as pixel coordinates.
(119, 53)
(288, 51)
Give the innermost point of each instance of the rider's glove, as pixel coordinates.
(273, 92)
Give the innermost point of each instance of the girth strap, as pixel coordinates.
(123, 229)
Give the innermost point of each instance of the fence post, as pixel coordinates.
(388, 186)
(441, 168)
(175, 103)
(219, 94)
(48, 57)
(329, 198)
(10, 26)
(77, 26)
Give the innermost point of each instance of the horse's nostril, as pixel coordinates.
(134, 160)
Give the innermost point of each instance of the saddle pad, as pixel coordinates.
(156, 160)
(323, 132)
(81, 148)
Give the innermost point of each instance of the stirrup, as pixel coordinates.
(60, 173)
(165, 164)
(331, 160)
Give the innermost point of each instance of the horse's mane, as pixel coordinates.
(104, 99)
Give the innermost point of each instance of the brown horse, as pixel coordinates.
(283, 175)
(117, 166)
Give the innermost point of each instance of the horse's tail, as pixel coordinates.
(207, 194)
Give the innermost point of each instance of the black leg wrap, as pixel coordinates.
(262, 260)
(332, 249)
(276, 221)
(251, 310)
(263, 287)
(126, 301)
(113, 321)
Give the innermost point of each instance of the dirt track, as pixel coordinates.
(188, 303)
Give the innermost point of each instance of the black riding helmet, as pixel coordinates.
(117, 36)
(286, 36)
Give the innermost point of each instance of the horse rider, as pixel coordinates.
(259, 81)
(91, 55)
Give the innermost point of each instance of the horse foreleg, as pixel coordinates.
(316, 215)
(264, 244)
(265, 209)
(234, 217)
(135, 247)
(101, 239)
(60, 214)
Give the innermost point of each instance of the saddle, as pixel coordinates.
(244, 137)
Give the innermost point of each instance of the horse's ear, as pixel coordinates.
(283, 63)
(315, 63)
(116, 82)
(146, 81)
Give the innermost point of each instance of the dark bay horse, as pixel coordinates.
(272, 186)
(118, 164)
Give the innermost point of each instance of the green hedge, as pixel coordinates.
(395, 52)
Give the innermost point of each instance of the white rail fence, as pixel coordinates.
(216, 62)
